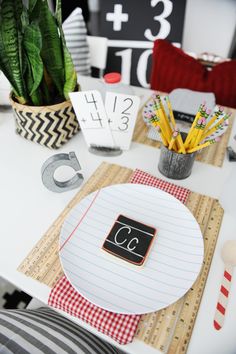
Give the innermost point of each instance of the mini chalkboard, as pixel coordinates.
(130, 240)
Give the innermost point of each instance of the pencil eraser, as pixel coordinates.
(129, 240)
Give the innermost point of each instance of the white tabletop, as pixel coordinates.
(28, 209)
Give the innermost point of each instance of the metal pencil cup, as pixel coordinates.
(174, 165)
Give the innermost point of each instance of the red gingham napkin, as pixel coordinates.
(141, 177)
(120, 327)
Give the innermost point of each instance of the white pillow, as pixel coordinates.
(76, 39)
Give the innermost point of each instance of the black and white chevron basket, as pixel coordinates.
(50, 126)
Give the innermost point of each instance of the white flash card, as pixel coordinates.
(122, 112)
(92, 117)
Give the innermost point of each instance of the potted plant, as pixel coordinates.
(38, 65)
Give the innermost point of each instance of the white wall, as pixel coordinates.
(209, 26)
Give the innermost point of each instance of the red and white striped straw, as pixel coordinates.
(223, 297)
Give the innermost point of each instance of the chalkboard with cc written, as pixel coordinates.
(131, 27)
(129, 240)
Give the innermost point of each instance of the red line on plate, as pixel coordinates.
(83, 216)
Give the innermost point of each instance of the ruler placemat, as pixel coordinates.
(213, 155)
(168, 330)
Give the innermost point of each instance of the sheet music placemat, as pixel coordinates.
(168, 330)
(213, 155)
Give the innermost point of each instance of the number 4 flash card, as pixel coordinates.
(122, 112)
(92, 117)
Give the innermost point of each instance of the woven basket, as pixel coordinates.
(50, 126)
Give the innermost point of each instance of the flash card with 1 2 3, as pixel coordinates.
(122, 111)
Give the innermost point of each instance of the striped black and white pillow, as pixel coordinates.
(45, 331)
(76, 39)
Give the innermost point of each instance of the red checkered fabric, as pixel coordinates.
(141, 177)
(120, 327)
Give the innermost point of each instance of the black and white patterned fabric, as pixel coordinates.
(45, 331)
(76, 39)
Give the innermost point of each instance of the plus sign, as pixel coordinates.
(117, 17)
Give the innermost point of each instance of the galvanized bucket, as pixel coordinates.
(175, 165)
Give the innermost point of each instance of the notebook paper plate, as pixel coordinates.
(172, 264)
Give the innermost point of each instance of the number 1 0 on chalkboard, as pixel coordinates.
(122, 111)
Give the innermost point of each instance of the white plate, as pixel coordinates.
(172, 265)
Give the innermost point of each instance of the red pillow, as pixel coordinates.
(172, 68)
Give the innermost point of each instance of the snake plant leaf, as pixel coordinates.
(9, 49)
(52, 49)
(34, 9)
(32, 4)
(70, 73)
(24, 19)
(18, 9)
(24, 24)
(36, 97)
(58, 12)
(45, 89)
(32, 43)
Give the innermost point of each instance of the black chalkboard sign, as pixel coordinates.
(131, 27)
(129, 240)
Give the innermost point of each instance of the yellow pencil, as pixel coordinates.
(199, 147)
(215, 127)
(155, 122)
(179, 139)
(189, 136)
(152, 118)
(181, 144)
(164, 124)
(194, 134)
(161, 107)
(172, 118)
(164, 141)
(172, 141)
(200, 133)
(216, 115)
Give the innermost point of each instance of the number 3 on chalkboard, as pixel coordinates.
(165, 26)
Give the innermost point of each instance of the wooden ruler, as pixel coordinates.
(168, 330)
(213, 154)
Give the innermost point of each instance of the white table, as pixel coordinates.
(28, 209)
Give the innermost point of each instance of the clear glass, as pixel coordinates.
(117, 87)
